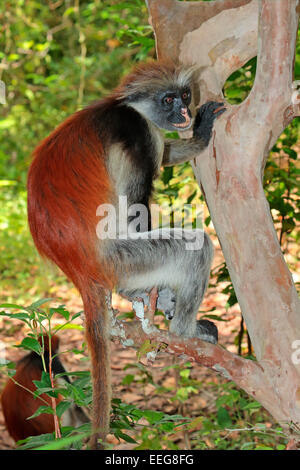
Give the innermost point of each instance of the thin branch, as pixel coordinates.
(83, 52)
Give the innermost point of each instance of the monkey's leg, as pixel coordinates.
(191, 293)
(173, 258)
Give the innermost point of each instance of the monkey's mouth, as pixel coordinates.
(183, 125)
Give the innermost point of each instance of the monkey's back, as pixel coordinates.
(67, 181)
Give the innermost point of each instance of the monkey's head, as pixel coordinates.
(161, 93)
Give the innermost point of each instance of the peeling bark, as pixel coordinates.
(172, 20)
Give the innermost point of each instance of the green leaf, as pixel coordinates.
(214, 317)
(146, 347)
(68, 326)
(185, 373)
(44, 383)
(167, 427)
(223, 418)
(291, 153)
(263, 447)
(35, 441)
(42, 410)
(252, 405)
(125, 437)
(40, 302)
(21, 316)
(167, 174)
(24, 316)
(62, 407)
(153, 416)
(191, 197)
(61, 311)
(63, 443)
(77, 315)
(128, 379)
(31, 344)
(9, 306)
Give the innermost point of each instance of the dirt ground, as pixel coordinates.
(141, 396)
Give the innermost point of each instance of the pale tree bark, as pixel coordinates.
(219, 37)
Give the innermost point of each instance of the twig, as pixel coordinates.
(53, 401)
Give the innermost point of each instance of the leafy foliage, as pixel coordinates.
(56, 57)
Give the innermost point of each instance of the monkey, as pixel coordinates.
(19, 403)
(111, 149)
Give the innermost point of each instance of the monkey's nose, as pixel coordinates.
(183, 111)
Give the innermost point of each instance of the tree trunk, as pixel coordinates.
(219, 37)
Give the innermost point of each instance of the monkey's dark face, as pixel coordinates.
(168, 109)
(175, 113)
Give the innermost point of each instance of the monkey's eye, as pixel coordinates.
(168, 99)
(185, 95)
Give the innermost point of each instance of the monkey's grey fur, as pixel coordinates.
(160, 258)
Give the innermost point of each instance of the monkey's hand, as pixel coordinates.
(204, 120)
(166, 301)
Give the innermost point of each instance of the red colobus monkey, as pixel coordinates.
(115, 148)
(19, 403)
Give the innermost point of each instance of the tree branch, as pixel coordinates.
(228, 40)
(270, 101)
(173, 19)
(245, 373)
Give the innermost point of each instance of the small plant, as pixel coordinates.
(238, 423)
(39, 323)
(147, 428)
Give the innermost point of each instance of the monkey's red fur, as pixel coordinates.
(65, 187)
(66, 184)
(18, 404)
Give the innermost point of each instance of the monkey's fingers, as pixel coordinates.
(220, 110)
(209, 110)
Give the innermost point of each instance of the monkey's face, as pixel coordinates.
(168, 109)
(174, 113)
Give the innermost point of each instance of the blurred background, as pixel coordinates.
(55, 58)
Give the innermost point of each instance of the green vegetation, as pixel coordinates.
(56, 57)
(234, 413)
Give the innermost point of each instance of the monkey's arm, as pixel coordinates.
(180, 151)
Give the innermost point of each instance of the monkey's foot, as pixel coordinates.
(166, 300)
(207, 331)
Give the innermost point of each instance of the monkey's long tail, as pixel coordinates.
(97, 335)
